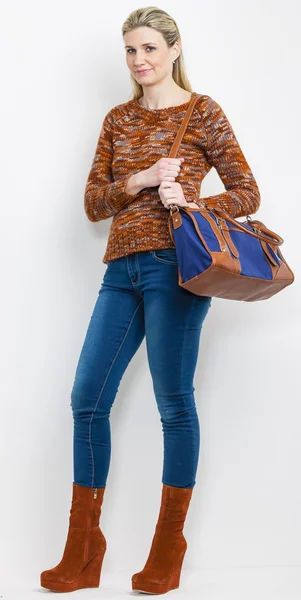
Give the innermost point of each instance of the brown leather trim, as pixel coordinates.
(225, 232)
(170, 227)
(176, 219)
(283, 260)
(283, 272)
(225, 261)
(200, 233)
(268, 253)
(222, 242)
(223, 284)
(197, 229)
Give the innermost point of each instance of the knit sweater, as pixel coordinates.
(132, 139)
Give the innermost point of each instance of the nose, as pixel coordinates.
(138, 61)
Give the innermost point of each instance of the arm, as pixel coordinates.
(103, 196)
(224, 153)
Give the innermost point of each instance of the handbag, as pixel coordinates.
(222, 257)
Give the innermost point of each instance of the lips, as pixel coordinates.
(143, 71)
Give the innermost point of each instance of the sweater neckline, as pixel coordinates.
(164, 112)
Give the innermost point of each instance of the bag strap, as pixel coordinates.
(183, 126)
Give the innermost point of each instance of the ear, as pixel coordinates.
(177, 50)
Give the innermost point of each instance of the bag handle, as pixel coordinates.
(260, 230)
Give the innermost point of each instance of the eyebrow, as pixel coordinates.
(148, 44)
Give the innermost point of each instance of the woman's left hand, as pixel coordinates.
(171, 192)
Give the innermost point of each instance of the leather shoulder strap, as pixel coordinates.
(182, 128)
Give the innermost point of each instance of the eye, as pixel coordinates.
(151, 47)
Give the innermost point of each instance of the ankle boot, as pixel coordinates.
(85, 547)
(162, 569)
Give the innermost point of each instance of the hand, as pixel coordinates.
(164, 169)
(172, 193)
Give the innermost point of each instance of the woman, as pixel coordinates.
(133, 180)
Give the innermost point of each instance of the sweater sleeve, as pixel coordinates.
(103, 196)
(242, 196)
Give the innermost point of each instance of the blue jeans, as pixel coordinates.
(140, 296)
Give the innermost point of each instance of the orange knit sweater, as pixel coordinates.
(132, 139)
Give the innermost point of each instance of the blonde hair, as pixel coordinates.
(158, 19)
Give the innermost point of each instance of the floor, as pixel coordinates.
(271, 583)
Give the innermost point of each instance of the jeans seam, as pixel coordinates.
(138, 269)
(134, 284)
(104, 383)
(189, 414)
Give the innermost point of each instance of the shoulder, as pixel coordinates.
(119, 111)
(207, 105)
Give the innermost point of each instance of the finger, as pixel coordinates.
(173, 169)
(166, 184)
(175, 161)
(169, 174)
(170, 197)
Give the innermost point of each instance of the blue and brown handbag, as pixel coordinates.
(220, 256)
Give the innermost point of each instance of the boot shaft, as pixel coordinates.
(86, 505)
(174, 505)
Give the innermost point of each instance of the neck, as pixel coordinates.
(163, 96)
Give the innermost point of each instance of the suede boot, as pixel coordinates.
(85, 547)
(162, 569)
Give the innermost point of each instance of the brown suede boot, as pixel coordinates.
(85, 547)
(162, 569)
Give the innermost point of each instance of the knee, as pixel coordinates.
(179, 407)
(84, 407)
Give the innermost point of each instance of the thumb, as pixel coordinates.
(166, 184)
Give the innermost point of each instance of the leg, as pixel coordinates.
(115, 332)
(173, 322)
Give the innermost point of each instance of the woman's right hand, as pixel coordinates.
(164, 169)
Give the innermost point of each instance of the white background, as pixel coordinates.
(63, 68)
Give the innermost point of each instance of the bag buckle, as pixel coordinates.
(218, 221)
(172, 206)
(250, 220)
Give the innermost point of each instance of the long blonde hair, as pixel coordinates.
(151, 16)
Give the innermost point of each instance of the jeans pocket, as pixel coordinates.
(165, 255)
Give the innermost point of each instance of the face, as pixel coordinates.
(147, 50)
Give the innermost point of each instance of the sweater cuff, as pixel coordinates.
(225, 202)
(117, 197)
(198, 201)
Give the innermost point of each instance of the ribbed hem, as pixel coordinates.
(135, 237)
